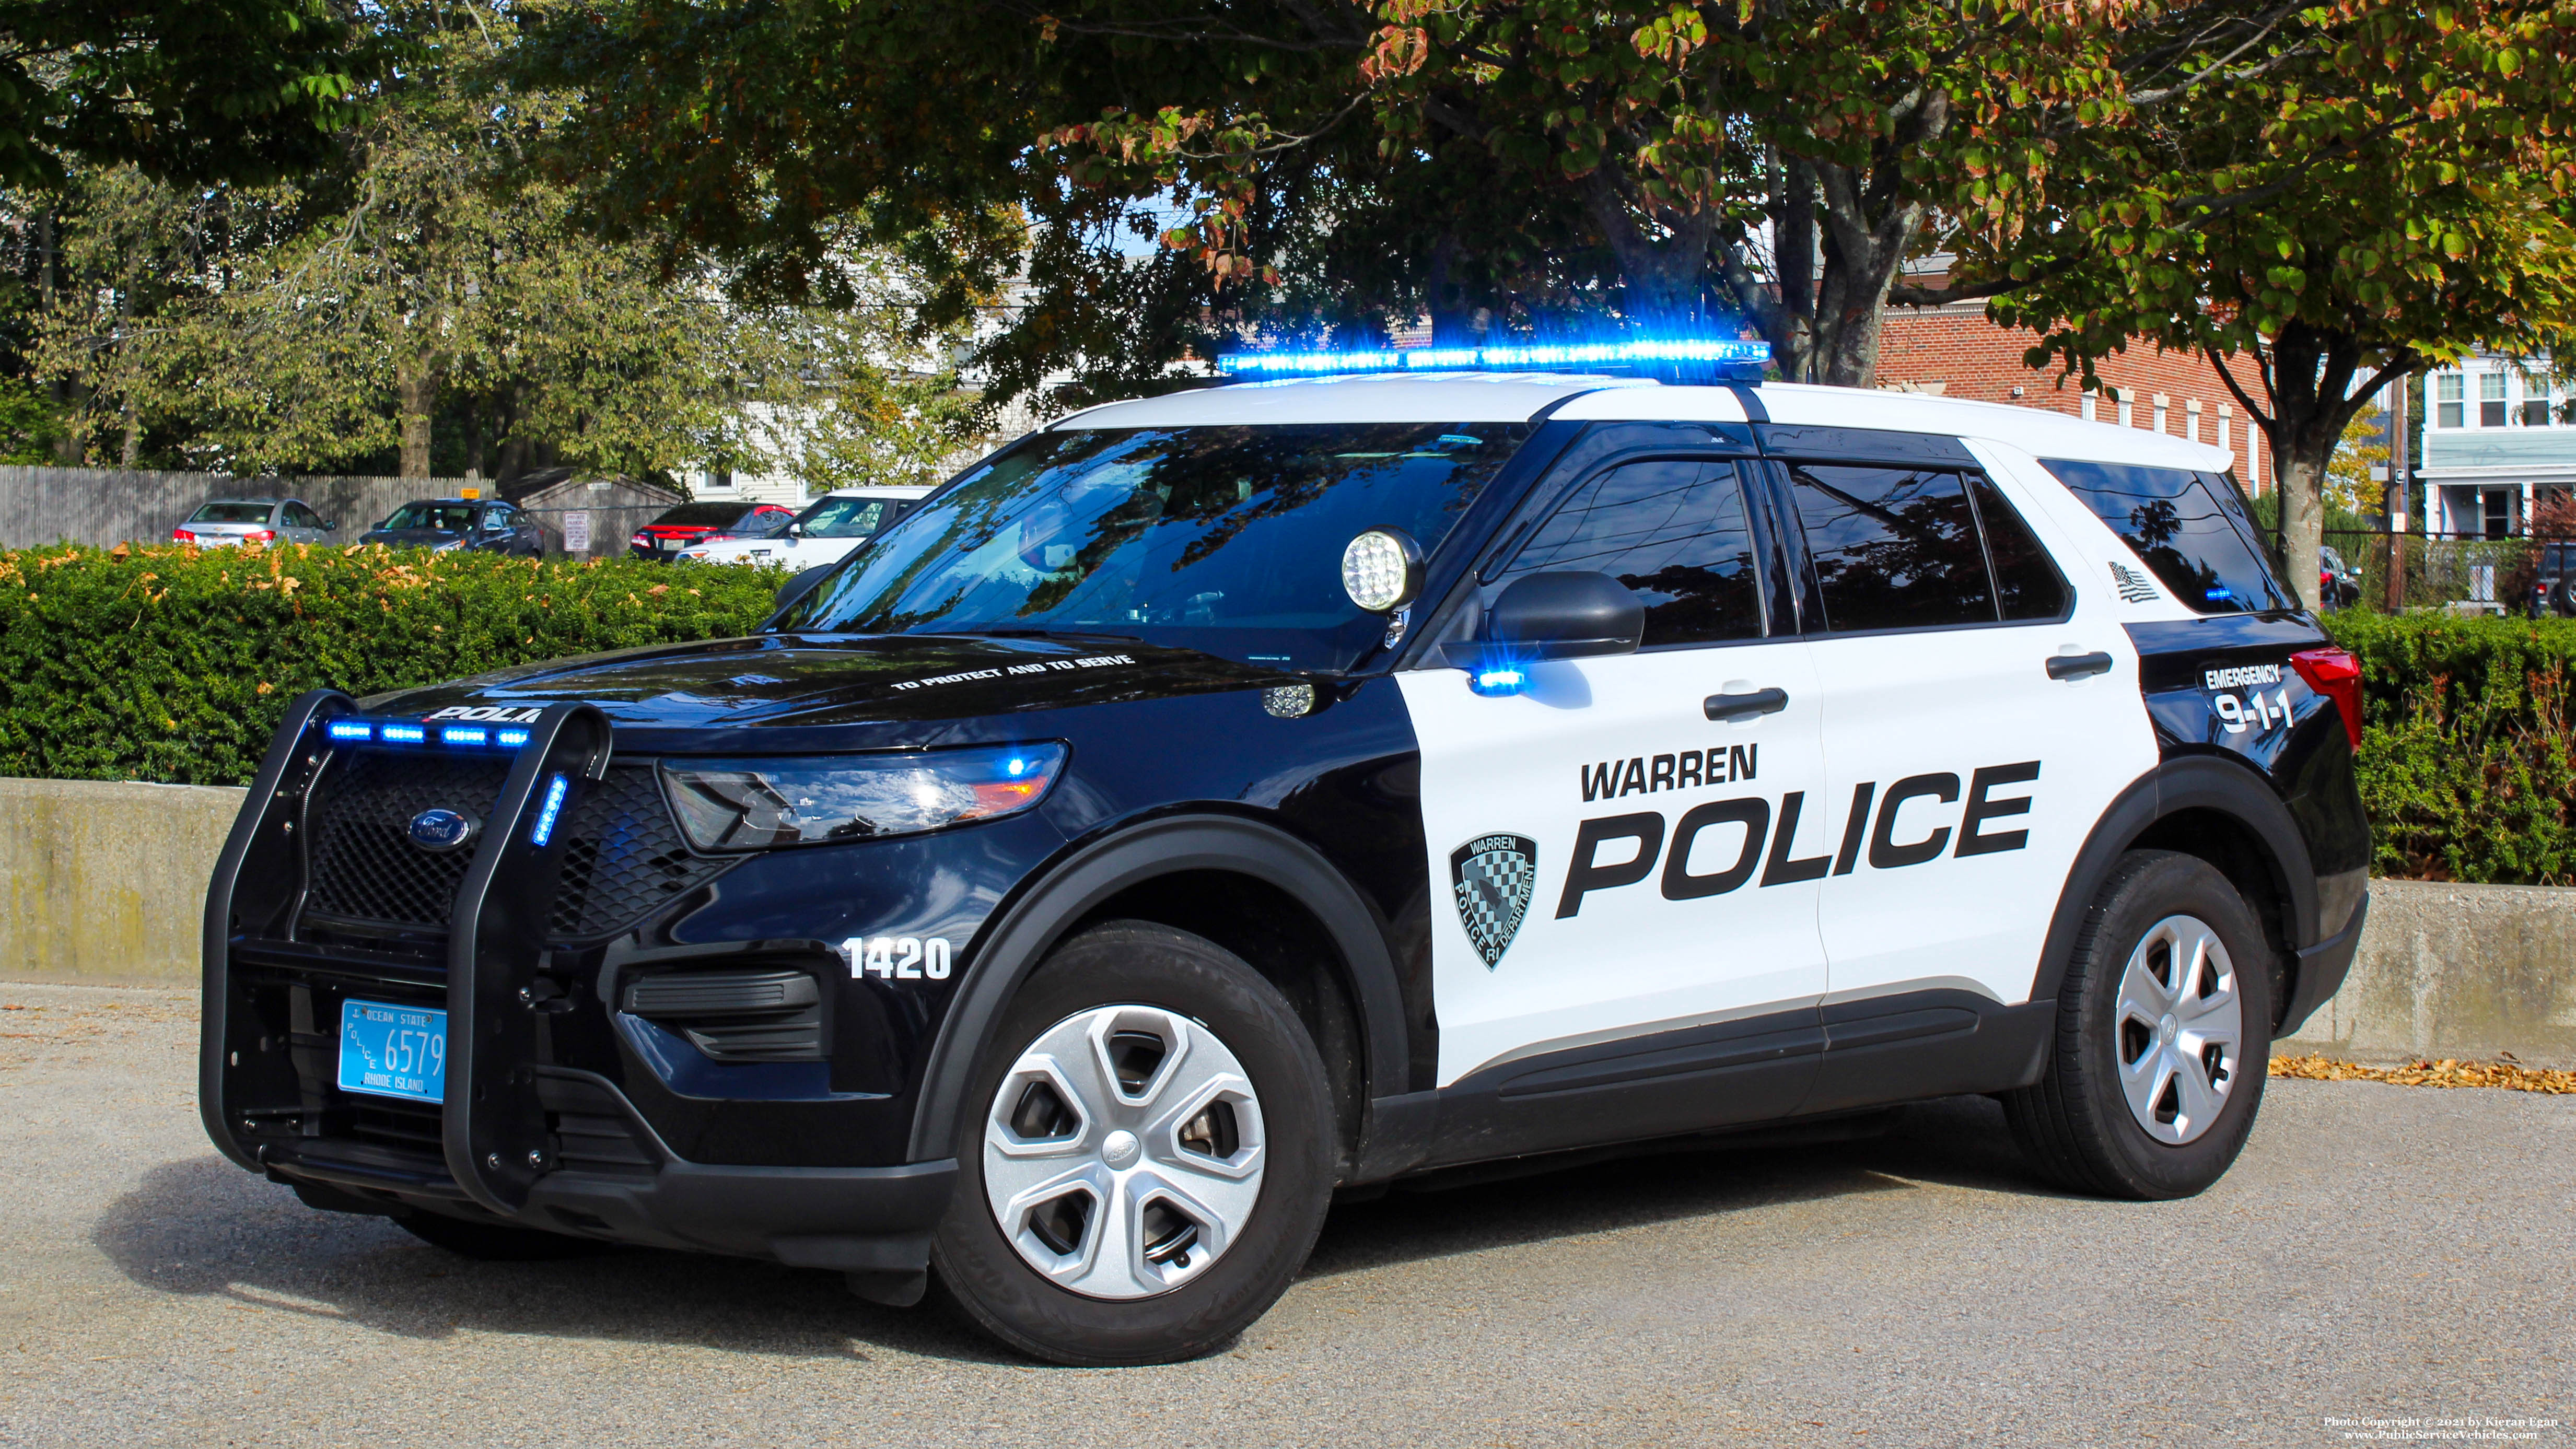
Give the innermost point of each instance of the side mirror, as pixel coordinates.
(330, 525)
(1577, 614)
(802, 584)
(795, 529)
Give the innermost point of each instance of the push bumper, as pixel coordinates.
(517, 1139)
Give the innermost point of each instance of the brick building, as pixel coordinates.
(1955, 352)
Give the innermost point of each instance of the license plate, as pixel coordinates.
(393, 1051)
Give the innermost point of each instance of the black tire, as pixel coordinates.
(2075, 1125)
(1137, 963)
(498, 1242)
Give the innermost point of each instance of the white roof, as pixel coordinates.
(1465, 397)
(881, 490)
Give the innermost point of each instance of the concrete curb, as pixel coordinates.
(106, 882)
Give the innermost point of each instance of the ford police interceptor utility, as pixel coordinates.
(1213, 801)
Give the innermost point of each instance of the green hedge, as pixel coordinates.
(170, 664)
(175, 665)
(2467, 766)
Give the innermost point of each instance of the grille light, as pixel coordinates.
(545, 831)
(1640, 353)
(349, 730)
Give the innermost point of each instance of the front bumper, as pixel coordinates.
(521, 1137)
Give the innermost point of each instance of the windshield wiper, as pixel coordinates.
(1026, 633)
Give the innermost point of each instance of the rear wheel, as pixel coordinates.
(2163, 1037)
(1149, 1158)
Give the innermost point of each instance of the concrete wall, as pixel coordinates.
(2457, 971)
(106, 882)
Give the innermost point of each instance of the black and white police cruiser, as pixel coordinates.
(1213, 801)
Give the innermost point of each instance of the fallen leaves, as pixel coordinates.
(2511, 1076)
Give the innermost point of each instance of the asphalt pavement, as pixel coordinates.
(2384, 1261)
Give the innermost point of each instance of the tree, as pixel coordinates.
(197, 89)
(424, 280)
(2350, 486)
(2376, 186)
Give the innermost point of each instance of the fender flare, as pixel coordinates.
(2188, 782)
(1029, 928)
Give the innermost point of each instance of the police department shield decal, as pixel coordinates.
(1494, 875)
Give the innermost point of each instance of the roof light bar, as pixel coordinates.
(1628, 356)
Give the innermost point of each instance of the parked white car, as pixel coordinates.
(827, 530)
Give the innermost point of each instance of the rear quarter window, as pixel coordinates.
(2190, 529)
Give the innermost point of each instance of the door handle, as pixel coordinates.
(2078, 666)
(1746, 706)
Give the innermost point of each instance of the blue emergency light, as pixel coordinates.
(1719, 359)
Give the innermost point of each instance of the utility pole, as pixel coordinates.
(2401, 474)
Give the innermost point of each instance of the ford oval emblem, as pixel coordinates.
(441, 830)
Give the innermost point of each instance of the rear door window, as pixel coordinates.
(1892, 547)
(1674, 531)
(2027, 584)
(2191, 530)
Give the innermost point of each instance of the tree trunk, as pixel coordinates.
(129, 445)
(2308, 375)
(415, 391)
(1661, 275)
(2303, 518)
(1451, 323)
(473, 439)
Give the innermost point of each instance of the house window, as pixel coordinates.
(2491, 399)
(2449, 408)
(2534, 412)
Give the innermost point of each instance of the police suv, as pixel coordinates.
(1213, 801)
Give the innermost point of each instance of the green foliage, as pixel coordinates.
(198, 89)
(426, 276)
(2468, 768)
(28, 423)
(175, 665)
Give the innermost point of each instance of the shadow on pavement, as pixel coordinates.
(204, 1227)
(1956, 1142)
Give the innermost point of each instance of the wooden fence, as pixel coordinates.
(108, 506)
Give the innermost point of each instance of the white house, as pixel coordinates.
(2499, 438)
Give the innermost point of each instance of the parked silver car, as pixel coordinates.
(231, 522)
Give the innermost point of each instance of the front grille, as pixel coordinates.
(364, 864)
(625, 859)
(623, 856)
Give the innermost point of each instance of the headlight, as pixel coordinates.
(754, 804)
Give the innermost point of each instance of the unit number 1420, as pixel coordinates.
(2253, 712)
(897, 958)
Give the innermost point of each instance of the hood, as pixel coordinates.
(410, 537)
(840, 680)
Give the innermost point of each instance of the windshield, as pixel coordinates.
(848, 517)
(443, 517)
(1227, 539)
(230, 513)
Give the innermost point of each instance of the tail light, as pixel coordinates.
(181, 535)
(2336, 675)
(642, 538)
(263, 535)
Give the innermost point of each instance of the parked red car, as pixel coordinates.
(690, 522)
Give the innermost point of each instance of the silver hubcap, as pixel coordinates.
(1123, 1152)
(2181, 1022)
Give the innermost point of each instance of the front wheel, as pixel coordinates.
(2163, 1037)
(1148, 1157)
